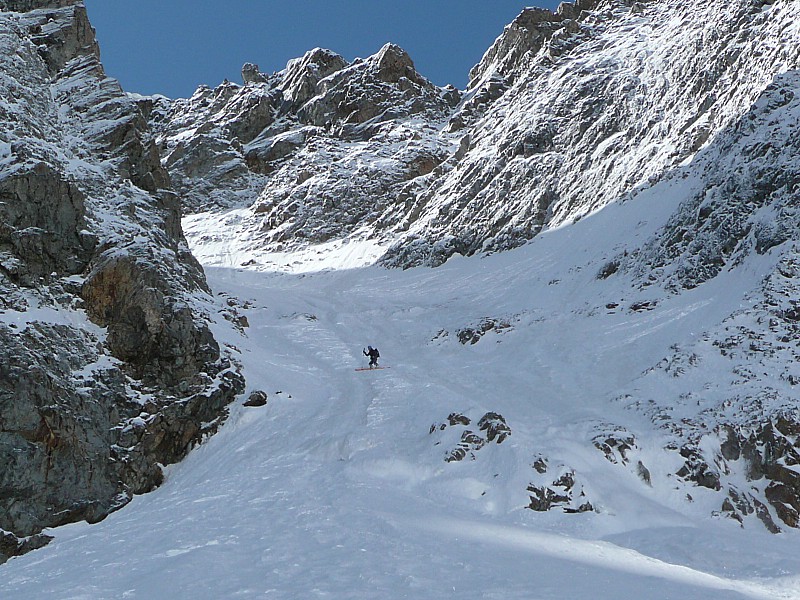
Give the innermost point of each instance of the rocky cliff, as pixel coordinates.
(572, 111)
(109, 367)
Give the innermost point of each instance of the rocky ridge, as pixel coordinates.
(109, 367)
(320, 151)
(566, 112)
(605, 101)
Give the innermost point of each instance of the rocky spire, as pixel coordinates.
(59, 39)
(252, 74)
(528, 33)
(302, 75)
(394, 63)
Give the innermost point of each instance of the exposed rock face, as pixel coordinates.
(108, 368)
(746, 200)
(47, 235)
(322, 150)
(155, 334)
(602, 106)
(526, 35)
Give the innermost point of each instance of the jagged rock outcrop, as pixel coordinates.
(383, 87)
(492, 427)
(109, 368)
(525, 36)
(319, 151)
(303, 75)
(252, 74)
(557, 488)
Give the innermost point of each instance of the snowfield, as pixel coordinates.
(339, 488)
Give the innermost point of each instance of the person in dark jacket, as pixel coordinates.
(374, 355)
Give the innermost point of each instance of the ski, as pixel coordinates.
(372, 369)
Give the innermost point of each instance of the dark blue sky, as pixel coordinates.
(172, 46)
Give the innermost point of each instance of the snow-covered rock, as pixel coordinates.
(595, 108)
(566, 113)
(323, 150)
(109, 367)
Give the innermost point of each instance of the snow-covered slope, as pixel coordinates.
(604, 101)
(345, 483)
(688, 108)
(608, 411)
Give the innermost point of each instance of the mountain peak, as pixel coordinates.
(527, 33)
(302, 75)
(394, 63)
(252, 74)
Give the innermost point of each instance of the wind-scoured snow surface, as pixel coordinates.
(339, 488)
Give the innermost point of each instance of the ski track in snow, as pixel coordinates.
(336, 489)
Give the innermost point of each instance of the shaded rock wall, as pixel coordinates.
(109, 368)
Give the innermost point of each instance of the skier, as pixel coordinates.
(374, 355)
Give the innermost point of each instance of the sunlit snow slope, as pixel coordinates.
(339, 487)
